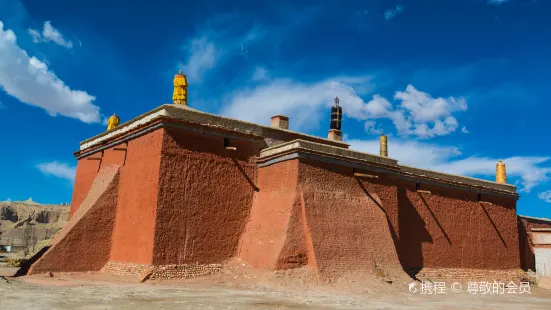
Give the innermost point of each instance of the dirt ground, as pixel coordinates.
(102, 291)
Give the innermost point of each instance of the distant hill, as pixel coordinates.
(46, 219)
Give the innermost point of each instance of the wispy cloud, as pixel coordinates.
(214, 43)
(413, 112)
(58, 170)
(530, 170)
(202, 57)
(496, 2)
(30, 81)
(50, 34)
(391, 13)
(545, 196)
(260, 74)
(228, 37)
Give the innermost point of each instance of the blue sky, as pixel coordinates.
(455, 84)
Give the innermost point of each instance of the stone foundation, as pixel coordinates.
(183, 271)
(515, 275)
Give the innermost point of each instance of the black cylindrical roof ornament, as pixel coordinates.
(336, 115)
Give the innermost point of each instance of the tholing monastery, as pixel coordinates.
(176, 192)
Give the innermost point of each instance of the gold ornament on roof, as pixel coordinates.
(383, 145)
(501, 175)
(180, 89)
(113, 122)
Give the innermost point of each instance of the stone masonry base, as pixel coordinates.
(183, 271)
(188, 271)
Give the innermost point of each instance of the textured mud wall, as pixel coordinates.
(205, 195)
(86, 172)
(527, 252)
(451, 229)
(85, 241)
(352, 222)
(114, 155)
(139, 183)
(336, 222)
(276, 235)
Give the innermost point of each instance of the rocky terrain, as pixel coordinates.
(45, 219)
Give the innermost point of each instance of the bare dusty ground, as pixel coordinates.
(238, 291)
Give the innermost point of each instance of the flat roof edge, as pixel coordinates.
(325, 149)
(457, 178)
(296, 146)
(185, 113)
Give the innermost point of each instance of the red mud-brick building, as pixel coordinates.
(183, 190)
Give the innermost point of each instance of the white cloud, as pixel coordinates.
(260, 74)
(303, 101)
(59, 170)
(362, 84)
(30, 81)
(280, 97)
(418, 114)
(545, 196)
(371, 127)
(464, 130)
(37, 37)
(448, 159)
(214, 43)
(202, 57)
(49, 33)
(391, 13)
(423, 108)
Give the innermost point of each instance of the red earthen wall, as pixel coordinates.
(205, 196)
(112, 156)
(449, 228)
(84, 242)
(183, 198)
(138, 188)
(86, 172)
(352, 222)
(276, 234)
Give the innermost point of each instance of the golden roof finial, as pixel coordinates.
(501, 175)
(179, 96)
(383, 145)
(113, 122)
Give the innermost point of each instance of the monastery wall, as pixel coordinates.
(205, 196)
(85, 241)
(196, 189)
(340, 216)
(86, 172)
(133, 236)
(332, 220)
(352, 222)
(276, 235)
(449, 228)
